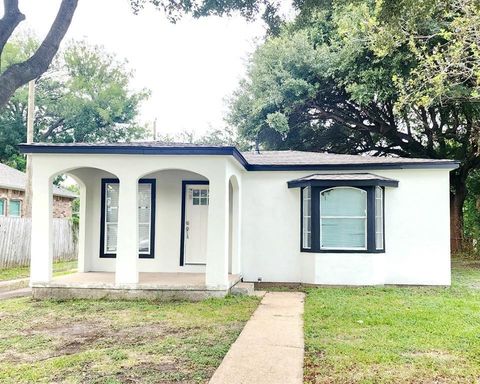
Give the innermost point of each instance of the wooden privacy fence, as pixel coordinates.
(15, 235)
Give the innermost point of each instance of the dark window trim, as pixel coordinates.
(151, 254)
(343, 183)
(315, 217)
(182, 222)
(313, 226)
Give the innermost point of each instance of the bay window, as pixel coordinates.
(342, 212)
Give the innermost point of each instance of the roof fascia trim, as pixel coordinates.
(130, 150)
(229, 151)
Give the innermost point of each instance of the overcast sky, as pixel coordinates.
(190, 67)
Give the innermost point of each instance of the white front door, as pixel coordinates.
(196, 223)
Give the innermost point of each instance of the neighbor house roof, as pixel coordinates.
(11, 178)
(252, 161)
(339, 179)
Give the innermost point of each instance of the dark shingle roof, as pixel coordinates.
(301, 157)
(11, 178)
(265, 160)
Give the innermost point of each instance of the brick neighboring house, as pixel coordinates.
(12, 194)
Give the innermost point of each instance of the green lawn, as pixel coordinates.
(59, 268)
(395, 335)
(117, 342)
(352, 335)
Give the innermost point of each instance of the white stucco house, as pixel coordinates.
(159, 219)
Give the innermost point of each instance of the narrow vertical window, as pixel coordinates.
(111, 217)
(2, 207)
(307, 218)
(144, 217)
(15, 208)
(378, 218)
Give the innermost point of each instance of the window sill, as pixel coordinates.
(114, 256)
(340, 251)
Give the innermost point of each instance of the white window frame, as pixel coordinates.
(365, 217)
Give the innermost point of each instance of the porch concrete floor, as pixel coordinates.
(147, 280)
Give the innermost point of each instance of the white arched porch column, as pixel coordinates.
(235, 226)
(126, 268)
(42, 228)
(218, 232)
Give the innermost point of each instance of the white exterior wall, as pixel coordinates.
(417, 233)
(266, 240)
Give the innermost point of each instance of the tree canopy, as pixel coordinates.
(14, 76)
(369, 76)
(85, 96)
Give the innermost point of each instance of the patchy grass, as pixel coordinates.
(117, 342)
(59, 268)
(395, 335)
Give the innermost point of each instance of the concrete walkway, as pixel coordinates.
(270, 348)
(22, 292)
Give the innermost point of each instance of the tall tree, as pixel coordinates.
(343, 78)
(21, 73)
(85, 96)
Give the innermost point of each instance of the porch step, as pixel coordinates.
(247, 289)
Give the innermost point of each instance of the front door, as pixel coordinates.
(196, 223)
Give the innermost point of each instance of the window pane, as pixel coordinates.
(111, 196)
(14, 208)
(144, 216)
(144, 202)
(144, 238)
(111, 238)
(2, 207)
(343, 202)
(306, 218)
(343, 217)
(343, 233)
(379, 218)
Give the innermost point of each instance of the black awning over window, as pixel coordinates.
(343, 179)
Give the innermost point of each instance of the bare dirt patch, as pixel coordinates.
(68, 339)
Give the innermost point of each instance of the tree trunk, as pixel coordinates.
(21, 73)
(457, 199)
